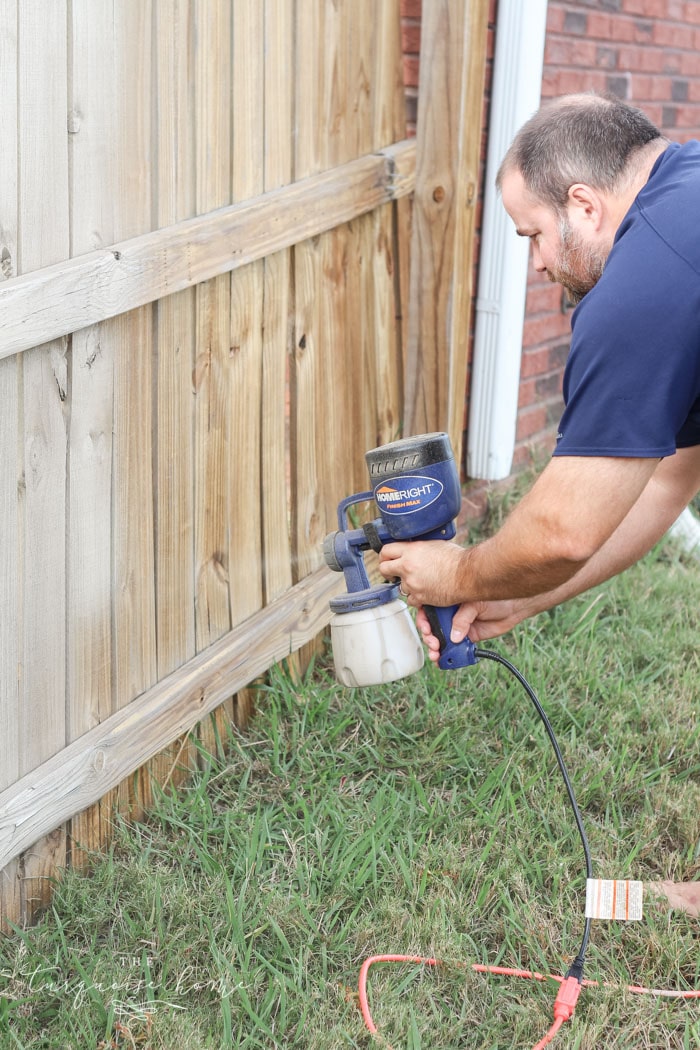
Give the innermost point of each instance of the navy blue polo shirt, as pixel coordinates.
(632, 378)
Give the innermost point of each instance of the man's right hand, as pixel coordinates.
(478, 620)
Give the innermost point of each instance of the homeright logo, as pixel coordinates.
(414, 494)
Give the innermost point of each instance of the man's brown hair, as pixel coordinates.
(585, 138)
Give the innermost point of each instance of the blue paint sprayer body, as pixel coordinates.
(415, 486)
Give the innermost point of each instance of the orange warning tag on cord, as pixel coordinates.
(617, 899)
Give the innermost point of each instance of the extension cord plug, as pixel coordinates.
(567, 997)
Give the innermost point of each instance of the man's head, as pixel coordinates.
(569, 177)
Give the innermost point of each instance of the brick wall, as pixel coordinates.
(645, 51)
(410, 40)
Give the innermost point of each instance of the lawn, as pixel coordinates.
(427, 817)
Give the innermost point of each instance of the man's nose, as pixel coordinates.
(537, 258)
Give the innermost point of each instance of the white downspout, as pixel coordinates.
(500, 304)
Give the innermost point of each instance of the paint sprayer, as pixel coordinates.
(415, 485)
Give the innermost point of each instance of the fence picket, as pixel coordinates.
(174, 336)
(212, 65)
(43, 237)
(10, 712)
(277, 303)
(247, 406)
(134, 650)
(93, 350)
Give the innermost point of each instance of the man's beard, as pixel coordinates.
(578, 266)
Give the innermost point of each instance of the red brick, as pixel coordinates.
(641, 85)
(675, 9)
(543, 298)
(690, 64)
(490, 43)
(687, 116)
(669, 35)
(531, 421)
(643, 59)
(410, 38)
(410, 71)
(659, 89)
(540, 360)
(619, 29)
(555, 19)
(549, 391)
(548, 326)
(527, 392)
(655, 113)
(411, 8)
(562, 52)
(534, 362)
(565, 81)
(672, 9)
(600, 26)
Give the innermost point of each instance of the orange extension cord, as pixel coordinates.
(573, 982)
(564, 1004)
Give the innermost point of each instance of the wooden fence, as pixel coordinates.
(224, 275)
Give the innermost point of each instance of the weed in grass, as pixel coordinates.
(422, 817)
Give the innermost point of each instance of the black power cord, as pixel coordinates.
(576, 968)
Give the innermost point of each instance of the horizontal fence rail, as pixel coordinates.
(57, 300)
(103, 757)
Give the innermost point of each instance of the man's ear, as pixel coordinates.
(585, 205)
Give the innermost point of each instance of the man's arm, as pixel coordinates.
(571, 511)
(674, 482)
(671, 487)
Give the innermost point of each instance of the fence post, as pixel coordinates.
(448, 132)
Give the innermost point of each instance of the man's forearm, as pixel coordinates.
(581, 523)
(563, 523)
(499, 569)
(645, 524)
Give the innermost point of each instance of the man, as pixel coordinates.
(612, 211)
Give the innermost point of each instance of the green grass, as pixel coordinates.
(424, 817)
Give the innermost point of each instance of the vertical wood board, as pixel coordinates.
(43, 238)
(134, 645)
(245, 494)
(453, 55)
(174, 348)
(277, 334)
(10, 566)
(305, 423)
(212, 372)
(92, 154)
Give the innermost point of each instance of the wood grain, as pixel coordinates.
(85, 770)
(43, 238)
(62, 298)
(448, 132)
(10, 370)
